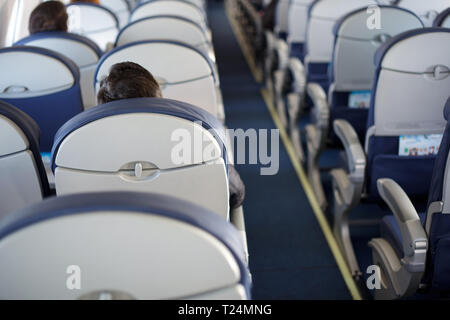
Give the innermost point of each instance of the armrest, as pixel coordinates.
(414, 238)
(321, 109)
(355, 153)
(298, 73)
(282, 51)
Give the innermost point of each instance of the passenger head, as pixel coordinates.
(128, 80)
(48, 16)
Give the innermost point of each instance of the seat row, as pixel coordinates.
(128, 147)
(365, 83)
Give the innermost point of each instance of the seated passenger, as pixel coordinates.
(48, 16)
(128, 80)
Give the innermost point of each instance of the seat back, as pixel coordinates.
(165, 28)
(49, 100)
(198, 3)
(296, 28)
(170, 7)
(121, 9)
(84, 52)
(94, 22)
(352, 70)
(183, 72)
(24, 180)
(443, 19)
(323, 15)
(281, 18)
(426, 10)
(144, 145)
(437, 219)
(410, 90)
(152, 246)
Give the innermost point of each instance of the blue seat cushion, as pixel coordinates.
(390, 231)
(297, 50)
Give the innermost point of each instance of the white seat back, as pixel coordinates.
(84, 53)
(21, 181)
(355, 45)
(152, 247)
(170, 7)
(323, 16)
(120, 8)
(297, 20)
(165, 28)
(184, 73)
(427, 10)
(110, 162)
(95, 22)
(413, 89)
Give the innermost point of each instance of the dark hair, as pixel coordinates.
(48, 16)
(128, 80)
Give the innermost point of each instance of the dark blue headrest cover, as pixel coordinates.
(385, 47)
(441, 17)
(142, 203)
(143, 105)
(32, 133)
(62, 35)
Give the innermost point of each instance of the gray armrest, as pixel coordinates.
(355, 153)
(414, 238)
(282, 51)
(321, 108)
(298, 74)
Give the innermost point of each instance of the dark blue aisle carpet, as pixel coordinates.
(289, 256)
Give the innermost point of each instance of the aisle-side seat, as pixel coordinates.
(153, 247)
(23, 177)
(416, 242)
(409, 94)
(183, 72)
(81, 50)
(443, 19)
(167, 27)
(350, 77)
(171, 7)
(427, 10)
(42, 83)
(145, 144)
(94, 22)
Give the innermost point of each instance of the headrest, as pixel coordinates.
(133, 204)
(441, 18)
(167, 21)
(26, 65)
(344, 26)
(158, 7)
(390, 56)
(334, 9)
(143, 105)
(95, 7)
(447, 110)
(25, 123)
(61, 35)
(170, 51)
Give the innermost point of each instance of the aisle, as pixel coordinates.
(289, 256)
